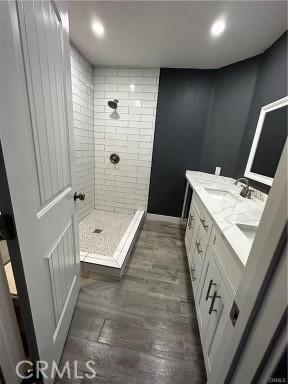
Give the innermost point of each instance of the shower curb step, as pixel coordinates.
(114, 266)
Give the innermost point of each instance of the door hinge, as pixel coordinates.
(31, 376)
(234, 313)
(7, 227)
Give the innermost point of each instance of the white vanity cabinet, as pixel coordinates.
(215, 275)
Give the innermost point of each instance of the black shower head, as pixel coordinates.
(113, 104)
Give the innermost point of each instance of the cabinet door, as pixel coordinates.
(209, 284)
(219, 314)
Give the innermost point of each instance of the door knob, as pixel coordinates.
(80, 196)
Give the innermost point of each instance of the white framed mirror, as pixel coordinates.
(268, 142)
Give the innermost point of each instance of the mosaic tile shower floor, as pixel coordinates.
(112, 226)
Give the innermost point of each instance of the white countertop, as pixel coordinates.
(225, 211)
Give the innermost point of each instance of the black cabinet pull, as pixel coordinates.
(191, 218)
(209, 289)
(189, 221)
(203, 223)
(192, 273)
(198, 247)
(211, 309)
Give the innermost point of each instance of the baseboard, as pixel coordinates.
(169, 219)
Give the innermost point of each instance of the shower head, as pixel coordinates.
(113, 103)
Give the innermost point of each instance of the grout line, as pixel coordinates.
(101, 330)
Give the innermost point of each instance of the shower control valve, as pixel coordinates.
(114, 158)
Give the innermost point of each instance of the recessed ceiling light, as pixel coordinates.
(218, 28)
(98, 28)
(132, 87)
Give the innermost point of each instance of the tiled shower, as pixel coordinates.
(125, 187)
(116, 194)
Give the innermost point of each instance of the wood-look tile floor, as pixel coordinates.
(142, 329)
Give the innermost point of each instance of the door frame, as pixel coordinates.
(267, 252)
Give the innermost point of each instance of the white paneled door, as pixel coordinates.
(36, 138)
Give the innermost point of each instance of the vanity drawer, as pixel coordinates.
(228, 261)
(196, 203)
(202, 239)
(195, 223)
(205, 220)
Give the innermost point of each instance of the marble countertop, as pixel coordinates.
(228, 210)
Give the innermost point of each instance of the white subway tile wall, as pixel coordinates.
(82, 96)
(124, 187)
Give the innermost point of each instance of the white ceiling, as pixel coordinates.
(174, 33)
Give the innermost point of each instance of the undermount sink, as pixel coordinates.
(248, 230)
(221, 194)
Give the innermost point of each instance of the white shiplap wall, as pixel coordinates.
(82, 95)
(124, 187)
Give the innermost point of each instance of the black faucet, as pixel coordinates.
(245, 191)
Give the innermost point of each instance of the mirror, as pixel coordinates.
(268, 142)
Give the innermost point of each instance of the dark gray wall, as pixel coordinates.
(183, 102)
(231, 100)
(271, 85)
(207, 119)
